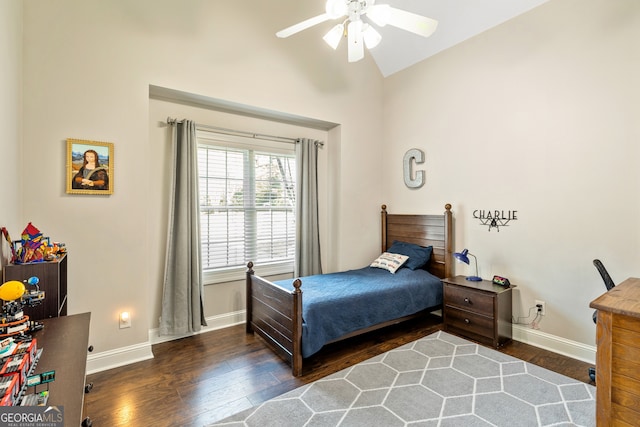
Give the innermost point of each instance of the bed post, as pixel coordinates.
(383, 224)
(249, 297)
(296, 354)
(448, 238)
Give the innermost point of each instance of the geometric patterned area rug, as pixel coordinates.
(439, 380)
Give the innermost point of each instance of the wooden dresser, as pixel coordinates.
(618, 356)
(480, 310)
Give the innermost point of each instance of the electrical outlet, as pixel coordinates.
(542, 310)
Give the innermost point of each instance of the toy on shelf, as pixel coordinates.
(38, 398)
(15, 296)
(5, 233)
(33, 246)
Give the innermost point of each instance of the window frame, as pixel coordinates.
(217, 139)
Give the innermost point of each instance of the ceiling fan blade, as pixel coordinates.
(384, 14)
(289, 31)
(356, 45)
(417, 24)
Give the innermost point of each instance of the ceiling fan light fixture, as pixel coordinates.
(336, 8)
(333, 37)
(371, 37)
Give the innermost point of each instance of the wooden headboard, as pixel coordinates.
(423, 230)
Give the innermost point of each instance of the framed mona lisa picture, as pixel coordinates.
(89, 167)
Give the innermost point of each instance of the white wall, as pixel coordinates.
(538, 115)
(10, 120)
(88, 65)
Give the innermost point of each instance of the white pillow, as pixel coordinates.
(389, 261)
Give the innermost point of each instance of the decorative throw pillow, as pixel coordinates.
(389, 261)
(418, 255)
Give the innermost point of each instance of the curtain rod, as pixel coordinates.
(172, 121)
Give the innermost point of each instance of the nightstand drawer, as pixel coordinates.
(469, 322)
(468, 299)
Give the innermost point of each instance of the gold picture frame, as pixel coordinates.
(98, 177)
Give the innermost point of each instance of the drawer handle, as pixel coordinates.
(467, 300)
(467, 321)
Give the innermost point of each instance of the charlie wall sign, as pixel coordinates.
(495, 218)
(412, 180)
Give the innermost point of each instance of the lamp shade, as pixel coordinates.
(371, 37)
(333, 37)
(464, 257)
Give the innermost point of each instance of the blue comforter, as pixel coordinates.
(336, 304)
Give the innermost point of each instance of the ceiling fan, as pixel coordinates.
(359, 32)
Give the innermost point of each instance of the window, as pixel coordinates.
(247, 205)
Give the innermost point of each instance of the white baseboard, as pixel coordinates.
(118, 357)
(137, 353)
(123, 356)
(566, 347)
(213, 323)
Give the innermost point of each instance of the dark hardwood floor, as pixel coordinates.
(202, 379)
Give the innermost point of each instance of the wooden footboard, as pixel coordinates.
(275, 314)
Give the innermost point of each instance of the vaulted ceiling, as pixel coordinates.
(458, 20)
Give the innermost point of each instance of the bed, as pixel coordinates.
(295, 328)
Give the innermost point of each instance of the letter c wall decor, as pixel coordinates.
(410, 180)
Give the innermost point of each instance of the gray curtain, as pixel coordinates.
(182, 309)
(307, 231)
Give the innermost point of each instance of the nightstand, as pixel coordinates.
(480, 311)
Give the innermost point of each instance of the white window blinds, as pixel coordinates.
(247, 202)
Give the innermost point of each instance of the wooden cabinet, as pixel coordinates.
(618, 355)
(480, 311)
(53, 281)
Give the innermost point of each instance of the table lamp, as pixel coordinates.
(464, 257)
